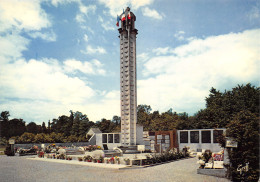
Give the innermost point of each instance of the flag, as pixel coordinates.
(123, 17)
(129, 15)
(117, 21)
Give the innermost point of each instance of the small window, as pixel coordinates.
(216, 135)
(194, 136)
(206, 136)
(104, 138)
(163, 139)
(184, 137)
(110, 138)
(116, 139)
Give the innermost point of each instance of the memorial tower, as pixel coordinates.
(128, 95)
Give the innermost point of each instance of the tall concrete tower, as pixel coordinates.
(128, 77)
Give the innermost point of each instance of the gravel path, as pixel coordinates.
(20, 169)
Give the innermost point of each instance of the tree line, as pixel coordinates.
(72, 128)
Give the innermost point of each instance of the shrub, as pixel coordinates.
(244, 129)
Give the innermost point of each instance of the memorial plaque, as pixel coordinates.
(216, 134)
(208, 166)
(194, 137)
(230, 142)
(205, 136)
(159, 137)
(218, 164)
(11, 141)
(184, 137)
(167, 137)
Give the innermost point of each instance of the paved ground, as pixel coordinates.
(20, 169)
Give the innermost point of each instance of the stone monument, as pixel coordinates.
(128, 95)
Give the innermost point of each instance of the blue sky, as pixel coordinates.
(61, 55)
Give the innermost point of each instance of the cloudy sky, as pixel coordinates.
(61, 55)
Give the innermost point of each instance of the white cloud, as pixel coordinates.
(86, 9)
(85, 37)
(182, 80)
(254, 13)
(80, 18)
(61, 2)
(107, 25)
(93, 68)
(91, 50)
(143, 57)
(26, 15)
(152, 13)
(116, 7)
(48, 36)
(162, 50)
(40, 90)
(37, 80)
(11, 47)
(179, 35)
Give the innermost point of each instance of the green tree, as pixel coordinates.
(72, 138)
(44, 129)
(4, 124)
(40, 138)
(75, 126)
(32, 128)
(116, 120)
(244, 129)
(106, 126)
(143, 112)
(222, 107)
(27, 138)
(16, 127)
